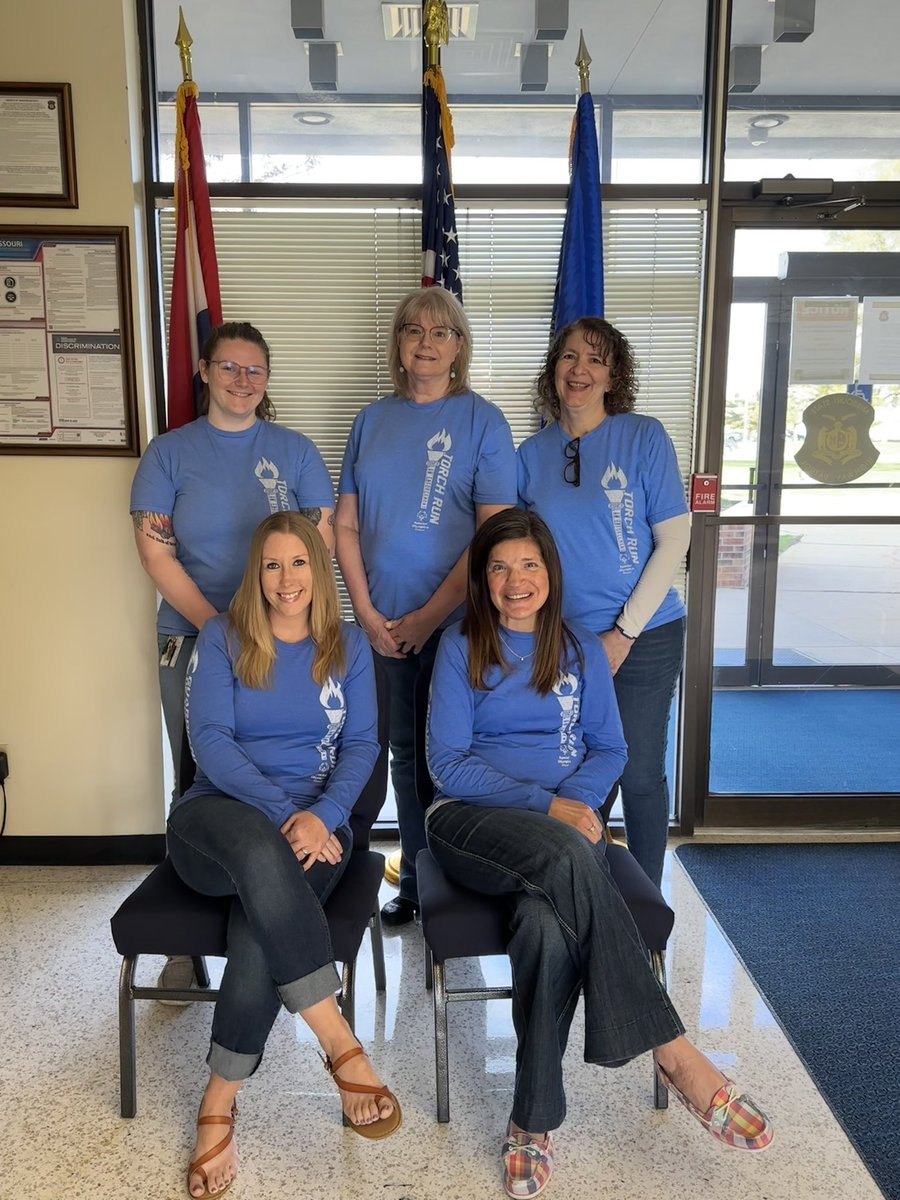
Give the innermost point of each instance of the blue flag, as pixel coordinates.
(440, 246)
(579, 280)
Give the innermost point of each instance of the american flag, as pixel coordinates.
(440, 245)
(196, 306)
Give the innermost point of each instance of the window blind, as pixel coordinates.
(321, 282)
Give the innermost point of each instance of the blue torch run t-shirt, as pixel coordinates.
(510, 747)
(297, 745)
(217, 486)
(630, 481)
(418, 471)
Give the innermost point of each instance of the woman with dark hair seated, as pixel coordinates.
(524, 743)
(281, 714)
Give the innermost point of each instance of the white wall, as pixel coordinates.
(79, 709)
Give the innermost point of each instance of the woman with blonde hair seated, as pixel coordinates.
(281, 713)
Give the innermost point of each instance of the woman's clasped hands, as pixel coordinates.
(310, 840)
(579, 815)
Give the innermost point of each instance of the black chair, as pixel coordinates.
(459, 923)
(163, 916)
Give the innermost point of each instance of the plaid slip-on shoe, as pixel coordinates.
(732, 1117)
(527, 1165)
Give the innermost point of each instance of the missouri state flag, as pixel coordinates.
(196, 306)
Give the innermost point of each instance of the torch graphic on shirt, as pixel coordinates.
(331, 697)
(566, 691)
(267, 474)
(614, 483)
(436, 448)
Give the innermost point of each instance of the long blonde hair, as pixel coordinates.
(253, 649)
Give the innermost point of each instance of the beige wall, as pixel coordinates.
(79, 710)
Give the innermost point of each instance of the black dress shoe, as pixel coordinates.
(399, 911)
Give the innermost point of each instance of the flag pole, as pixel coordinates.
(583, 62)
(440, 246)
(579, 280)
(184, 41)
(195, 303)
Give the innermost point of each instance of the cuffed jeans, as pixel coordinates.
(571, 931)
(645, 685)
(408, 679)
(279, 947)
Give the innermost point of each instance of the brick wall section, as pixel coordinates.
(735, 551)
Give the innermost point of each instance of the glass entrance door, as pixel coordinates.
(806, 654)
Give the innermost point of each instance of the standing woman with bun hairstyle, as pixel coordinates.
(198, 494)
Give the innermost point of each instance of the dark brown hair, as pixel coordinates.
(239, 331)
(554, 641)
(615, 350)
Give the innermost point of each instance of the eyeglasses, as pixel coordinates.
(573, 462)
(256, 376)
(437, 333)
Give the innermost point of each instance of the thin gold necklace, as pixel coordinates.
(514, 653)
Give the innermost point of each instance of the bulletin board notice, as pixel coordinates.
(67, 383)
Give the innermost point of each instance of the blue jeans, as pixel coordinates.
(570, 930)
(645, 684)
(171, 692)
(279, 947)
(409, 679)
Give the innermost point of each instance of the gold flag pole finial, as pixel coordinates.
(436, 24)
(184, 41)
(583, 63)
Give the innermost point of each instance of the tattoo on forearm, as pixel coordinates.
(156, 526)
(311, 514)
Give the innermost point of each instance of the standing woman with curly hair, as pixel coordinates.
(606, 481)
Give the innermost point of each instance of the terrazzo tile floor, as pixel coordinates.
(62, 1136)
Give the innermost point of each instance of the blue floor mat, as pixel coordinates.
(824, 950)
(832, 740)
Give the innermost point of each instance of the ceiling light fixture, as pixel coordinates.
(551, 20)
(323, 72)
(745, 69)
(534, 68)
(768, 120)
(313, 116)
(795, 20)
(308, 20)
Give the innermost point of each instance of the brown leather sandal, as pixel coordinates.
(384, 1126)
(196, 1167)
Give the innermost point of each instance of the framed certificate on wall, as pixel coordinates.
(37, 146)
(67, 382)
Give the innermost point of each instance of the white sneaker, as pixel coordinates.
(177, 973)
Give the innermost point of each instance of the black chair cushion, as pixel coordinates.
(456, 922)
(164, 916)
(652, 915)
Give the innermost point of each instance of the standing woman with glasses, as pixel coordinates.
(606, 481)
(199, 493)
(423, 468)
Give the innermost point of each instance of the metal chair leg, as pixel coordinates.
(200, 971)
(127, 1059)
(441, 1050)
(377, 936)
(348, 1006)
(658, 963)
